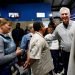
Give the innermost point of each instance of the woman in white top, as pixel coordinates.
(54, 48)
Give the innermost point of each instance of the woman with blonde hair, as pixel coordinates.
(8, 52)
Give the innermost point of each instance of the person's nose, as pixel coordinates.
(64, 15)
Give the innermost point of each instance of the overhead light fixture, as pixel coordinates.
(50, 15)
(40, 14)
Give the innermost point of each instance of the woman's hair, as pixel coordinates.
(30, 26)
(4, 21)
(46, 32)
(51, 25)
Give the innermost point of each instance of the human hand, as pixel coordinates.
(26, 65)
(19, 51)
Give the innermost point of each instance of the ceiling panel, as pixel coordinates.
(48, 1)
(56, 4)
(65, 2)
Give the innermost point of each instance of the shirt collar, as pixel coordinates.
(39, 33)
(70, 22)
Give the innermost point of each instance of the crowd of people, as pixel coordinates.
(42, 51)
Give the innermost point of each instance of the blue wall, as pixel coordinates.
(73, 14)
(27, 11)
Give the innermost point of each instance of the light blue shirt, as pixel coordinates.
(7, 50)
(25, 41)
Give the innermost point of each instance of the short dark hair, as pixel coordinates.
(18, 25)
(37, 25)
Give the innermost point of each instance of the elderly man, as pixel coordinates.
(64, 33)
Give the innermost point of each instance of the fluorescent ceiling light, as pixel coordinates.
(40, 14)
(50, 15)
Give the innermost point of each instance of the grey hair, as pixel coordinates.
(30, 26)
(65, 8)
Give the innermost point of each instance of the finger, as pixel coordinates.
(25, 67)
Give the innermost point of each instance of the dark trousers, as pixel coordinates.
(5, 71)
(27, 72)
(65, 59)
(55, 56)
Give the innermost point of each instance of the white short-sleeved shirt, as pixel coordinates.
(39, 49)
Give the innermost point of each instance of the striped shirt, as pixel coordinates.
(39, 50)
